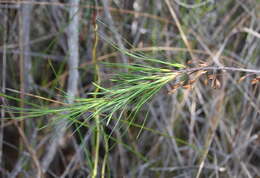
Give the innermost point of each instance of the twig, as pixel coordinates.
(250, 31)
(76, 156)
(73, 62)
(178, 24)
(25, 48)
(192, 6)
(219, 68)
(215, 118)
(37, 54)
(22, 157)
(3, 87)
(31, 151)
(123, 11)
(113, 29)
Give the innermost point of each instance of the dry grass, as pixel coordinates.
(203, 126)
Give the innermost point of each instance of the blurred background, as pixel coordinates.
(48, 48)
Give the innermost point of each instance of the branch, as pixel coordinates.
(218, 68)
(73, 62)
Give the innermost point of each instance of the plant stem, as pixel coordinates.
(97, 80)
(218, 68)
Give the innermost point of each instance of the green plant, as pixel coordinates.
(121, 102)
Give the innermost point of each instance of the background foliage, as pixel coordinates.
(94, 88)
